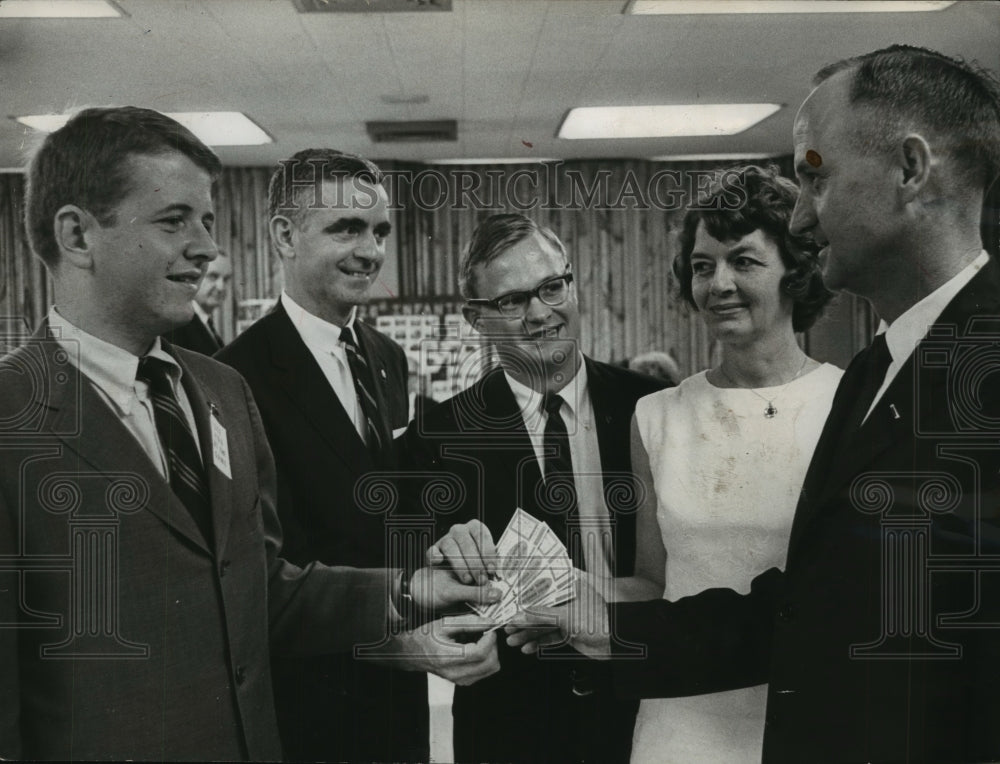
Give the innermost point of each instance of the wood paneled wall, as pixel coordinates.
(25, 288)
(618, 218)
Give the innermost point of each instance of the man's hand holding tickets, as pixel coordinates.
(468, 549)
(529, 567)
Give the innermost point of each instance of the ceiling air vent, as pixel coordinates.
(413, 131)
(370, 6)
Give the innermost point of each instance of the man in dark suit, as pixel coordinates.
(330, 422)
(501, 438)
(880, 639)
(141, 591)
(199, 334)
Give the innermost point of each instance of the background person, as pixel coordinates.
(659, 364)
(200, 333)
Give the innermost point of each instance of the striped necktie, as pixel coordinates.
(187, 474)
(364, 386)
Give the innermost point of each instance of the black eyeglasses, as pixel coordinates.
(553, 291)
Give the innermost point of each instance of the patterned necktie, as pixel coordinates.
(187, 474)
(559, 479)
(364, 386)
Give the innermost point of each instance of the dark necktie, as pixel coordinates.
(187, 474)
(875, 364)
(854, 397)
(559, 479)
(215, 335)
(364, 386)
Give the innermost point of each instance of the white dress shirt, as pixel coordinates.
(323, 340)
(112, 372)
(578, 414)
(905, 332)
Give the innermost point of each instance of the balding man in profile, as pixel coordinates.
(880, 639)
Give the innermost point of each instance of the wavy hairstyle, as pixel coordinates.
(741, 200)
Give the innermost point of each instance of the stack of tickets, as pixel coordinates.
(533, 570)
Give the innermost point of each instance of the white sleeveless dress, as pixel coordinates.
(727, 480)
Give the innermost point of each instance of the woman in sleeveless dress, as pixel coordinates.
(723, 455)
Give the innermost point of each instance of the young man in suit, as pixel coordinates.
(880, 639)
(547, 414)
(141, 591)
(331, 391)
(199, 334)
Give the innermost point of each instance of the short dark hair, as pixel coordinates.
(767, 203)
(85, 162)
(494, 236)
(305, 169)
(956, 102)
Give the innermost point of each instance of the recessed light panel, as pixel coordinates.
(58, 9)
(685, 7)
(663, 121)
(711, 158)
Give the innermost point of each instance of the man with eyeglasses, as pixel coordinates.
(546, 414)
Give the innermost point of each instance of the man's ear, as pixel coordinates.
(915, 159)
(281, 229)
(472, 315)
(74, 228)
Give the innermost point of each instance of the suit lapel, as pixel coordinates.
(220, 486)
(494, 412)
(87, 425)
(298, 374)
(208, 335)
(612, 417)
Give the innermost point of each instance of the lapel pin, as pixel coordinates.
(895, 411)
(383, 373)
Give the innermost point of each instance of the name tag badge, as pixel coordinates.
(220, 447)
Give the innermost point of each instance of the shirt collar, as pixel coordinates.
(575, 394)
(200, 312)
(108, 366)
(315, 331)
(906, 331)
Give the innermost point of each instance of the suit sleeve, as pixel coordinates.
(712, 641)
(315, 608)
(10, 697)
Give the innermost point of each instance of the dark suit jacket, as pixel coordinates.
(880, 640)
(194, 335)
(528, 711)
(331, 708)
(124, 636)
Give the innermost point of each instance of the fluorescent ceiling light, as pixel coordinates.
(783, 6)
(710, 157)
(496, 160)
(58, 9)
(215, 128)
(663, 121)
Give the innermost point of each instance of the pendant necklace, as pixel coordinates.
(770, 411)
